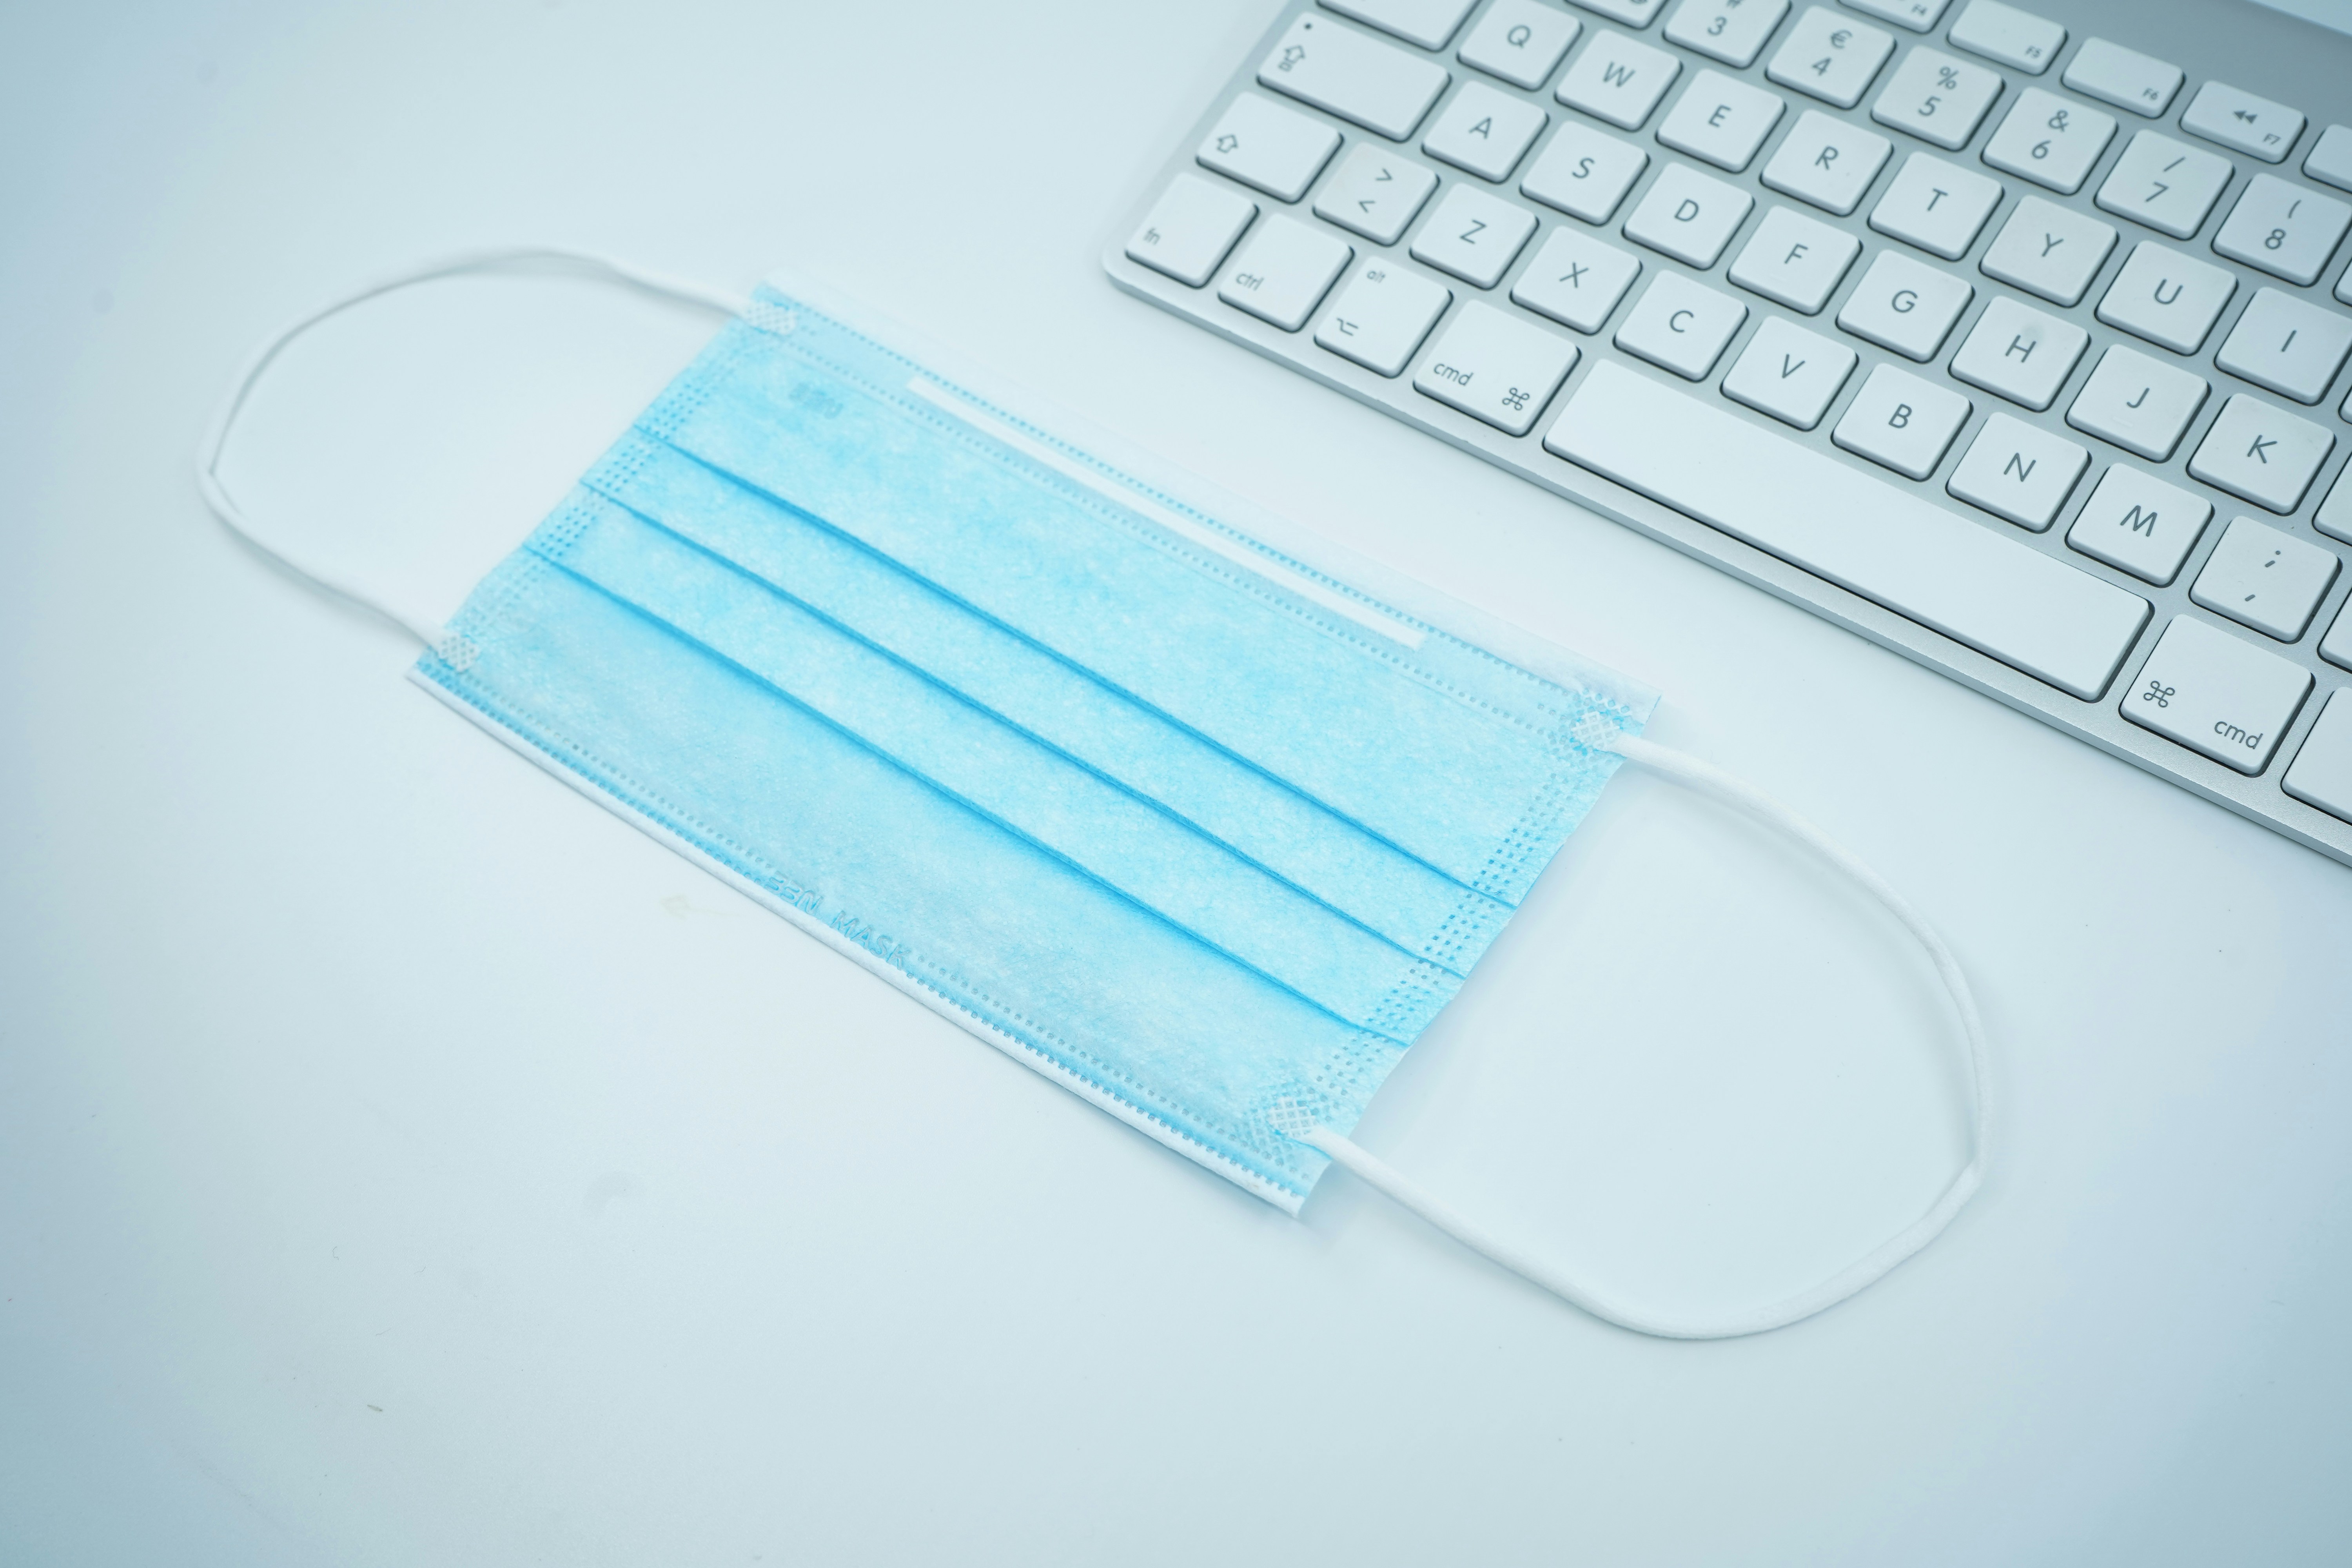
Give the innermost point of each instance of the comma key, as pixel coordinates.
(2218, 695)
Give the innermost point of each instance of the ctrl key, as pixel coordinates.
(2220, 697)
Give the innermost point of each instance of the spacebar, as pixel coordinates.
(1962, 578)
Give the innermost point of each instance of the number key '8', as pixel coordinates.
(2287, 230)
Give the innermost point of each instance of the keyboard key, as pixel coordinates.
(1795, 262)
(1428, 23)
(1830, 56)
(2261, 454)
(2284, 229)
(2051, 141)
(2140, 524)
(1936, 97)
(1576, 279)
(1688, 216)
(2049, 250)
(1355, 75)
(1380, 316)
(2335, 647)
(2321, 775)
(1936, 205)
(1919, 16)
(2169, 185)
(1283, 271)
(2218, 695)
(2236, 118)
(2007, 35)
(2167, 298)
(2018, 472)
(1618, 80)
(2142, 404)
(1906, 306)
(2021, 353)
(1732, 31)
(2331, 160)
(1474, 235)
(1632, 13)
(2264, 579)
(1901, 421)
(1827, 162)
(1721, 121)
(1894, 547)
(1681, 326)
(1191, 229)
(1521, 41)
(1585, 174)
(1376, 193)
(2335, 518)
(1788, 373)
(1484, 131)
(1494, 366)
(2124, 78)
(1277, 150)
(2291, 348)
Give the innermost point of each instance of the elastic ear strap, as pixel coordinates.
(513, 259)
(1855, 1276)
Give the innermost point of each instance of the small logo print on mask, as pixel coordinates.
(866, 936)
(816, 400)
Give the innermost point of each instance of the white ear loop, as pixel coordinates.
(1856, 1276)
(511, 258)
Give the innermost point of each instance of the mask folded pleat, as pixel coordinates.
(823, 823)
(1481, 782)
(1096, 726)
(972, 757)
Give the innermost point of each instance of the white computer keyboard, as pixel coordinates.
(2016, 341)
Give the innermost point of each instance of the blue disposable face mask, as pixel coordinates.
(1202, 831)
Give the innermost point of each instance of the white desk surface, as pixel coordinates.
(403, 1161)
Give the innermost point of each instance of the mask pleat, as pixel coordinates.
(1093, 725)
(990, 768)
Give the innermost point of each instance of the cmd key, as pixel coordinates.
(2216, 694)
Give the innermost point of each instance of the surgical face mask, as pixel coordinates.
(1203, 824)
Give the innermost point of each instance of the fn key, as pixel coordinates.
(2217, 695)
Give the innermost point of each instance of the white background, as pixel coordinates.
(403, 1161)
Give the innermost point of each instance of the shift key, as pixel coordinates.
(2218, 695)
